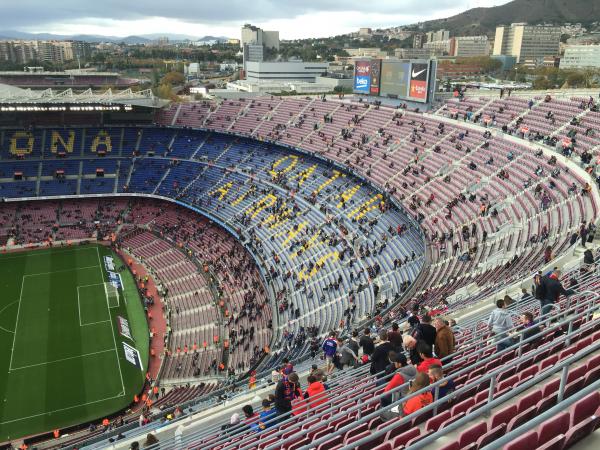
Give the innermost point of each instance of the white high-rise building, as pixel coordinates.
(531, 43)
(252, 35)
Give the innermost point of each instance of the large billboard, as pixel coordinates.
(375, 76)
(362, 77)
(419, 78)
(395, 77)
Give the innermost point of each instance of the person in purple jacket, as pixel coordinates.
(330, 349)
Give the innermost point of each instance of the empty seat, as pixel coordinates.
(521, 418)
(528, 441)
(556, 443)
(406, 436)
(491, 436)
(503, 416)
(473, 433)
(553, 427)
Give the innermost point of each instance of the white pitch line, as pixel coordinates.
(59, 271)
(61, 360)
(12, 351)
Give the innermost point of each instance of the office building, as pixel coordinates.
(581, 57)
(527, 42)
(440, 35)
(469, 46)
(438, 48)
(418, 40)
(252, 35)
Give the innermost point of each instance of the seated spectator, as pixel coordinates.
(265, 419)
(426, 355)
(404, 373)
(151, 440)
(446, 387)
(250, 417)
(531, 328)
(315, 392)
(414, 404)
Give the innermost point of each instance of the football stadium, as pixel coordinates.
(394, 268)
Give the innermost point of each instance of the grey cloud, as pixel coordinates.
(31, 13)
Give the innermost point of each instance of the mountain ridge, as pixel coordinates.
(485, 20)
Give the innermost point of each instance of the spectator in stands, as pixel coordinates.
(329, 351)
(395, 338)
(287, 390)
(415, 403)
(265, 419)
(135, 445)
(150, 440)
(551, 289)
(353, 343)
(380, 357)
(446, 387)
(444, 339)
(366, 343)
(250, 417)
(318, 373)
(530, 327)
(499, 323)
(276, 375)
(426, 332)
(525, 295)
(315, 392)
(410, 344)
(346, 356)
(426, 354)
(288, 367)
(404, 373)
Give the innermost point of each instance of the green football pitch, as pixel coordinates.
(65, 357)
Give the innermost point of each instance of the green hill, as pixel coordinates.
(484, 20)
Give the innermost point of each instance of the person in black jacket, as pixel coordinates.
(380, 357)
(287, 389)
(426, 332)
(366, 343)
(551, 289)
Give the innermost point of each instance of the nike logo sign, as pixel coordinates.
(416, 74)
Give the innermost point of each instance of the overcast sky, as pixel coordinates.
(293, 18)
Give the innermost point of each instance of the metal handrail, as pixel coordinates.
(469, 386)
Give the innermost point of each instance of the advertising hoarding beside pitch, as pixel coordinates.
(395, 78)
(362, 77)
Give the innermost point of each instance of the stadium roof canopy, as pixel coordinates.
(14, 95)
